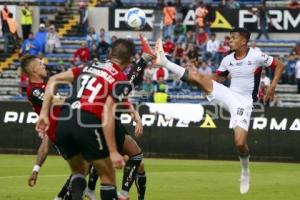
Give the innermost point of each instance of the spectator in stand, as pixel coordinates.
(201, 12)
(205, 69)
(297, 50)
(113, 38)
(294, 4)
(12, 33)
(232, 4)
(83, 53)
(297, 75)
(177, 84)
(53, 41)
(212, 47)
(291, 68)
(178, 54)
(83, 19)
(222, 52)
(161, 95)
(26, 20)
(190, 37)
(261, 92)
(105, 35)
(30, 46)
(202, 38)
(254, 47)
(276, 102)
(159, 73)
(61, 66)
(148, 88)
(103, 48)
(4, 15)
(41, 37)
(192, 53)
(160, 81)
(169, 47)
(169, 14)
(94, 52)
(23, 82)
(262, 20)
(149, 72)
(179, 31)
(265, 79)
(92, 38)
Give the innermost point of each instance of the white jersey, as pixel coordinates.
(245, 73)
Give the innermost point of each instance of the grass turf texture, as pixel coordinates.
(167, 179)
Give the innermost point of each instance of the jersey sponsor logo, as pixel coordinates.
(76, 105)
(37, 93)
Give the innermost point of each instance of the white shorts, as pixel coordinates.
(240, 107)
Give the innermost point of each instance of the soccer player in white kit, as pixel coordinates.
(244, 65)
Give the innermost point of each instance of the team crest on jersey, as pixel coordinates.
(249, 62)
(239, 63)
(230, 64)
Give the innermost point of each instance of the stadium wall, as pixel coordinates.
(177, 130)
(286, 22)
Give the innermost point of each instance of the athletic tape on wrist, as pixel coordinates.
(36, 168)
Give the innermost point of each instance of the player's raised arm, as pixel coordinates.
(42, 124)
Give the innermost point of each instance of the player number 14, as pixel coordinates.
(88, 84)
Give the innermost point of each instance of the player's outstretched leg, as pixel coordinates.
(78, 185)
(65, 190)
(240, 140)
(135, 154)
(191, 76)
(140, 182)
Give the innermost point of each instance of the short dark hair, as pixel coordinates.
(25, 62)
(243, 32)
(169, 3)
(123, 50)
(10, 15)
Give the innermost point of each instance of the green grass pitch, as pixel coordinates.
(167, 179)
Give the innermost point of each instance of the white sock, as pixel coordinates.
(176, 69)
(245, 163)
(124, 193)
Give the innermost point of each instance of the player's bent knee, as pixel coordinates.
(141, 168)
(240, 145)
(105, 170)
(130, 147)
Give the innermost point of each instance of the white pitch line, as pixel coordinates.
(26, 176)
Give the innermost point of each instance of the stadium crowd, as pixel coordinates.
(198, 48)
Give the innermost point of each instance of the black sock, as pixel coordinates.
(130, 171)
(244, 155)
(108, 192)
(62, 193)
(93, 177)
(137, 72)
(140, 182)
(78, 185)
(185, 76)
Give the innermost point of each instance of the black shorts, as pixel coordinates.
(120, 135)
(73, 139)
